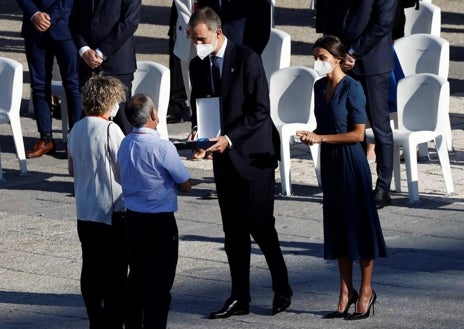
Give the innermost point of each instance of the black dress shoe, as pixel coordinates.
(281, 301)
(231, 307)
(382, 199)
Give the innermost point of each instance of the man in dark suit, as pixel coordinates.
(365, 27)
(245, 157)
(244, 22)
(103, 31)
(46, 35)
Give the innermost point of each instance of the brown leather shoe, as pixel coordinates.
(40, 149)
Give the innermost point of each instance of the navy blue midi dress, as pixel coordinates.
(351, 222)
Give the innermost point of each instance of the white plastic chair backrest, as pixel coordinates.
(276, 55)
(423, 53)
(423, 102)
(153, 80)
(426, 19)
(291, 95)
(11, 86)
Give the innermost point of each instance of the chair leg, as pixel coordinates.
(1, 170)
(397, 168)
(440, 142)
(19, 143)
(410, 159)
(285, 173)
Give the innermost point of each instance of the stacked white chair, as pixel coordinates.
(421, 99)
(426, 19)
(292, 109)
(426, 53)
(153, 80)
(276, 54)
(11, 89)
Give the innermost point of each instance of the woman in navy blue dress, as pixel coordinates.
(351, 224)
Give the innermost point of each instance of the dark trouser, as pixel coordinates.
(376, 90)
(40, 61)
(126, 79)
(247, 208)
(104, 272)
(153, 252)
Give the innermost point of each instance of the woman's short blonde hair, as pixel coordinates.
(101, 92)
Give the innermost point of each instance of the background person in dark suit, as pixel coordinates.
(365, 27)
(46, 35)
(103, 31)
(244, 22)
(245, 158)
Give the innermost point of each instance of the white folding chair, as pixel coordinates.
(153, 80)
(11, 89)
(426, 53)
(292, 109)
(422, 98)
(426, 19)
(276, 55)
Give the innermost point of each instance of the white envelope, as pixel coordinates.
(208, 117)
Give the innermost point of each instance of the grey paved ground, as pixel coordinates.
(420, 284)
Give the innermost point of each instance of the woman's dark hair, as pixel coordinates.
(333, 45)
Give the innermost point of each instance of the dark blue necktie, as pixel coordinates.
(215, 75)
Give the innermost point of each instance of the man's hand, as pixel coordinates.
(41, 21)
(92, 59)
(221, 144)
(349, 62)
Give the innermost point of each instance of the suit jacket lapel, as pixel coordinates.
(228, 68)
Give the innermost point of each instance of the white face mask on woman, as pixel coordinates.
(114, 110)
(322, 68)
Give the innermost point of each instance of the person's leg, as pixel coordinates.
(376, 90)
(93, 237)
(345, 267)
(232, 190)
(40, 62)
(365, 291)
(135, 249)
(67, 58)
(162, 247)
(121, 118)
(260, 209)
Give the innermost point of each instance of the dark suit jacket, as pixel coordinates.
(110, 27)
(59, 11)
(363, 25)
(257, 15)
(245, 109)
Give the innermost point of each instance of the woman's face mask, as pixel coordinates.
(322, 68)
(114, 110)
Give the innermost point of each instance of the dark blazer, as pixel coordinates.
(59, 11)
(257, 16)
(363, 25)
(109, 26)
(245, 109)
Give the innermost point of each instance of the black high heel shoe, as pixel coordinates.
(337, 314)
(360, 316)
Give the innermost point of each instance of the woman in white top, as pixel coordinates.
(92, 147)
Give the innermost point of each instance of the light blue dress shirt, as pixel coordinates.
(150, 171)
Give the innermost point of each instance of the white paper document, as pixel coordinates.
(208, 117)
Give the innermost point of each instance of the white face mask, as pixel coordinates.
(322, 68)
(203, 50)
(114, 110)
